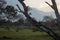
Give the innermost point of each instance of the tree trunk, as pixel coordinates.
(54, 7)
(37, 24)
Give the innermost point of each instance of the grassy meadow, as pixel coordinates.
(24, 34)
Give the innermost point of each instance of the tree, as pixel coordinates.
(54, 7)
(49, 21)
(2, 2)
(38, 24)
(8, 14)
(47, 18)
(33, 22)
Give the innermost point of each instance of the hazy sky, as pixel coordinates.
(41, 5)
(38, 4)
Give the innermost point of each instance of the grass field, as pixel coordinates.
(24, 34)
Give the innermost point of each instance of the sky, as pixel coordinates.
(41, 5)
(37, 4)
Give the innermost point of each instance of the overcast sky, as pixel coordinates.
(41, 5)
(38, 4)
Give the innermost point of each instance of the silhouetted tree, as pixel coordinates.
(38, 24)
(9, 13)
(54, 7)
(49, 21)
(33, 22)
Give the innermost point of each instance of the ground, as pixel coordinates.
(24, 34)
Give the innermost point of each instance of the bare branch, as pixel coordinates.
(53, 2)
(39, 25)
(19, 8)
(48, 4)
(54, 7)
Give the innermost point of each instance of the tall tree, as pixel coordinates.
(38, 24)
(54, 7)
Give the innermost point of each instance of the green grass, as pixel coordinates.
(24, 35)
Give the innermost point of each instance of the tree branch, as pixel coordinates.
(49, 4)
(54, 7)
(19, 8)
(39, 25)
